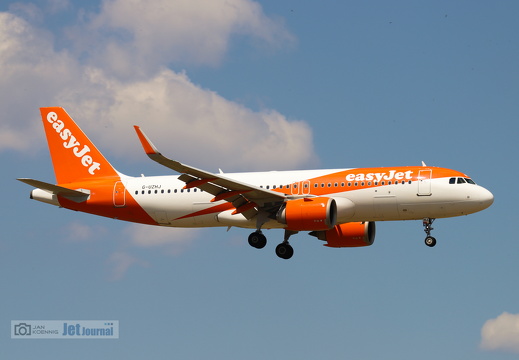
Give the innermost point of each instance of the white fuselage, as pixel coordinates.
(165, 199)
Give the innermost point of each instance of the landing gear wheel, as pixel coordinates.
(427, 224)
(430, 241)
(284, 251)
(257, 240)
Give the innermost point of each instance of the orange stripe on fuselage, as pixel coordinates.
(101, 202)
(362, 178)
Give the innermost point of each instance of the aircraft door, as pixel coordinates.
(424, 182)
(119, 194)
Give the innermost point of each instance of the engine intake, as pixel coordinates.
(308, 214)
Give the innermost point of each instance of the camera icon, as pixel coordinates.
(22, 329)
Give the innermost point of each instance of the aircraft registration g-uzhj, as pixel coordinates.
(339, 207)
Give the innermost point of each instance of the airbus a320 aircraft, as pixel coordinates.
(338, 206)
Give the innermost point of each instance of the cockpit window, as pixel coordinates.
(460, 180)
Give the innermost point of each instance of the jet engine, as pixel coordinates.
(348, 235)
(316, 213)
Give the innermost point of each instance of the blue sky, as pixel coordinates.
(257, 86)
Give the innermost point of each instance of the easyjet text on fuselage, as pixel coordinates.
(381, 176)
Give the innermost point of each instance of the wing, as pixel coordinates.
(246, 198)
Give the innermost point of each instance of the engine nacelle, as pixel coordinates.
(348, 235)
(308, 214)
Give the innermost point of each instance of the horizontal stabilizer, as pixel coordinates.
(74, 195)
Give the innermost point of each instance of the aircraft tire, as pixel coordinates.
(257, 240)
(284, 251)
(430, 241)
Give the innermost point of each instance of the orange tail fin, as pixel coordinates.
(74, 156)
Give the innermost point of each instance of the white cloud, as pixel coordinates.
(136, 237)
(78, 232)
(186, 121)
(172, 241)
(26, 10)
(501, 333)
(120, 262)
(190, 31)
(31, 74)
(189, 122)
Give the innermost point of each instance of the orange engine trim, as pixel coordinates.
(309, 214)
(350, 235)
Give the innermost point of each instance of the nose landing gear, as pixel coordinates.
(429, 240)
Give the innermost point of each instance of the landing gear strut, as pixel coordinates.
(429, 240)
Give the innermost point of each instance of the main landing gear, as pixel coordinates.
(283, 250)
(257, 240)
(429, 240)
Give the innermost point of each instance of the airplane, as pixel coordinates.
(337, 206)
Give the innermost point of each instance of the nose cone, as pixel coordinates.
(484, 197)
